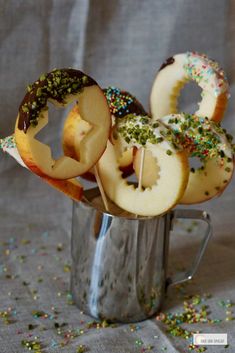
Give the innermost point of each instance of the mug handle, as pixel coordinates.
(183, 276)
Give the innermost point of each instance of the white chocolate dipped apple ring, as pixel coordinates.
(61, 87)
(208, 142)
(176, 72)
(172, 176)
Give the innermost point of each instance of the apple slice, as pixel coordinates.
(74, 130)
(182, 68)
(122, 103)
(208, 142)
(62, 87)
(151, 168)
(206, 183)
(167, 190)
(125, 163)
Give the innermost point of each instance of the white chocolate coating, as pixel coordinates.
(209, 181)
(183, 68)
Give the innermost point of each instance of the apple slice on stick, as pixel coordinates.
(211, 145)
(122, 103)
(178, 70)
(171, 182)
(74, 131)
(62, 87)
(167, 190)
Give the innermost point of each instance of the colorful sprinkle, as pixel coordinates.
(206, 73)
(122, 103)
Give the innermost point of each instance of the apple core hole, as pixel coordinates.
(189, 98)
(195, 163)
(151, 170)
(52, 132)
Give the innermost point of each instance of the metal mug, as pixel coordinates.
(119, 264)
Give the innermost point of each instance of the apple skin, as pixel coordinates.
(89, 176)
(71, 187)
(222, 102)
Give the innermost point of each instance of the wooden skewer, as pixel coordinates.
(141, 168)
(141, 171)
(100, 186)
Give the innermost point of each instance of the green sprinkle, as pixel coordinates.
(25, 109)
(169, 152)
(39, 92)
(155, 125)
(42, 77)
(81, 348)
(139, 342)
(84, 80)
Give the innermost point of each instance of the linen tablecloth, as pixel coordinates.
(120, 43)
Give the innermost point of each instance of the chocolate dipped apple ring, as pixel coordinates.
(172, 177)
(210, 143)
(176, 72)
(61, 87)
(122, 103)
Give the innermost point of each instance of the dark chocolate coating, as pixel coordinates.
(56, 85)
(167, 62)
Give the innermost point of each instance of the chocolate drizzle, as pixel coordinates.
(56, 85)
(167, 62)
(122, 103)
